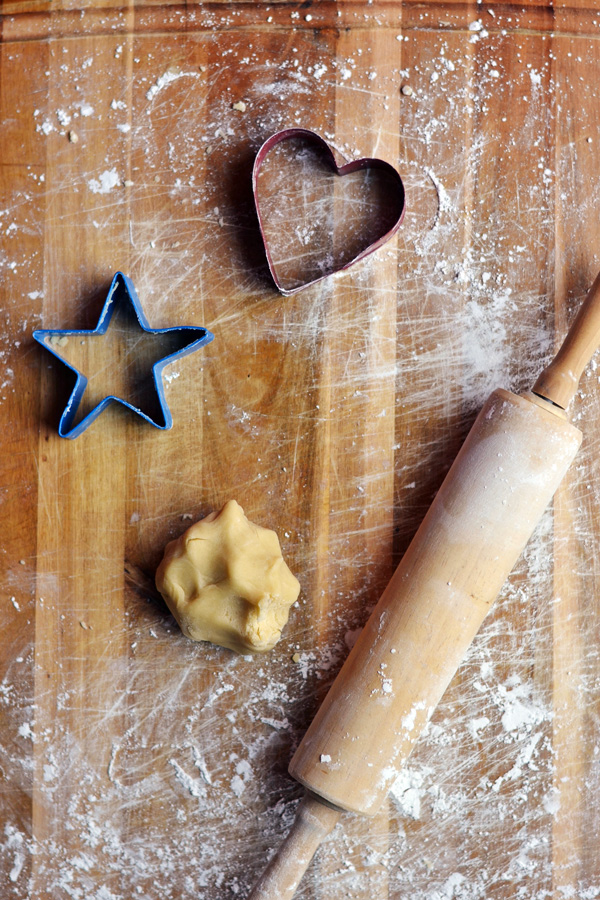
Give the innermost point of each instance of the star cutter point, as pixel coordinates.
(121, 291)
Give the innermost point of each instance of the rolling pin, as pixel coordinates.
(492, 498)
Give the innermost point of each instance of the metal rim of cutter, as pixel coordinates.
(345, 169)
(121, 288)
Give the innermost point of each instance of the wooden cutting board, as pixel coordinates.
(135, 763)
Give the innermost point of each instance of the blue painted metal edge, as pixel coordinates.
(120, 280)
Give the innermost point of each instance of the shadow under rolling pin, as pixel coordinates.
(497, 489)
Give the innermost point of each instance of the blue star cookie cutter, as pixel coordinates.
(121, 291)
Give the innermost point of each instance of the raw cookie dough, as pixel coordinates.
(225, 581)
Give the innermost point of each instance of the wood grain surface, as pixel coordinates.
(134, 763)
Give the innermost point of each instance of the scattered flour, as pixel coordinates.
(408, 791)
(105, 183)
(195, 786)
(168, 77)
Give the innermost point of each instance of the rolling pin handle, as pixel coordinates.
(558, 382)
(314, 821)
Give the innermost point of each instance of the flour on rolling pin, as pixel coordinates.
(487, 508)
(225, 581)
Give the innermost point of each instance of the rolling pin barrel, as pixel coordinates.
(483, 515)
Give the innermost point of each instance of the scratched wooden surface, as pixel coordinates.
(134, 763)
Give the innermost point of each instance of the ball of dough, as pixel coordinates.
(225, 581)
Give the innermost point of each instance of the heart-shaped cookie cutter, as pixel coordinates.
(356, 165)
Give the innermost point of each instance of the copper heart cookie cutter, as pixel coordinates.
(279, 210)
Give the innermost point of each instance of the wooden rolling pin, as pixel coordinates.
(503, 478)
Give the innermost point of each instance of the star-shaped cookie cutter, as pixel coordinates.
(121, 290)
